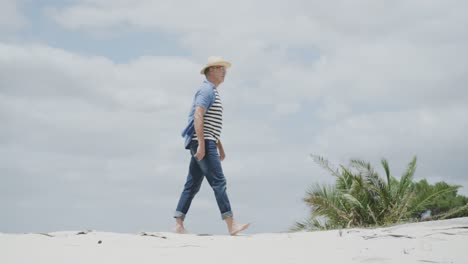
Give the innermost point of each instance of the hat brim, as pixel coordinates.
(226, 64)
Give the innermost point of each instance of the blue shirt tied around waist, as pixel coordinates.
(204, 97)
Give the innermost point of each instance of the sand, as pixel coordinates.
(427, 242)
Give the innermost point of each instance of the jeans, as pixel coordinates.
(210, 167)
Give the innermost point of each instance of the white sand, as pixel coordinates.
(429, 242)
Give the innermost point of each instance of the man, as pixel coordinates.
(202, 138)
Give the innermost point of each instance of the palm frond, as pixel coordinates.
(407, 177)
(452, 212)
(433, 196)
(387, 170)
(324, 163)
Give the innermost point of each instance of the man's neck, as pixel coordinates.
(215, 83)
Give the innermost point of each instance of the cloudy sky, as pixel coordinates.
(94, 94)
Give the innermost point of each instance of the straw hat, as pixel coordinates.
(215, 61)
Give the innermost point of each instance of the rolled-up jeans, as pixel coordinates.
(209, 167)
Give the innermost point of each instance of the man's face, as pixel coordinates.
(218, 73)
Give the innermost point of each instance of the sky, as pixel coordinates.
(94, 95)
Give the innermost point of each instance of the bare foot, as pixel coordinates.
(237, 228)
(180, 229)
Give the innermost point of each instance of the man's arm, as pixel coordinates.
(222, 154)
(199, 124)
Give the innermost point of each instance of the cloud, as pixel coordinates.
(389, 53)
(11, 19)
(96, 80)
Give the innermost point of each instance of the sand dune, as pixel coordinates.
(428, 242)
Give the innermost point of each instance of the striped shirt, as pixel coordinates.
(213, 120)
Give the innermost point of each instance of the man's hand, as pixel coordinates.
(200, 152)
(222, 155)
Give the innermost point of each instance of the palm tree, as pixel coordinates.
(361, 198)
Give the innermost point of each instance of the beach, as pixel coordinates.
(442, 241)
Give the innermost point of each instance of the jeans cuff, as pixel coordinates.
(179, 214)
(226, 215)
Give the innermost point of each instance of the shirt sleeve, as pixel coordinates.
(204, 97)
